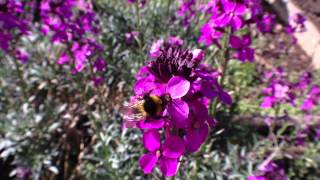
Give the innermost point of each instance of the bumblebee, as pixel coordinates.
(147, 106)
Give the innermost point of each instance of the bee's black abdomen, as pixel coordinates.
(150, 106)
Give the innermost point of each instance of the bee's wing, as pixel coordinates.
(131, 112)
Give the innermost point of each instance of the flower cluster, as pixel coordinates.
(295, 25)
(170, 105)
(230, 15)
(187, 11)
(312, 99)
(279, 89)
(73, 24)
(13, 26)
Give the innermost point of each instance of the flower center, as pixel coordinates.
(173, 61)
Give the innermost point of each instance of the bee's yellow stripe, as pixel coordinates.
(158, 102)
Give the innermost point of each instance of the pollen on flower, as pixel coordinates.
(158, 153)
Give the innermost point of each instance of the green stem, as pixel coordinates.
(168, 9)
(226, 58)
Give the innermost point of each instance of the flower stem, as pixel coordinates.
(226, 58)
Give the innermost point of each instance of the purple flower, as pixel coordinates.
(99, 64)
(73, 24)
(299, 21)
(131, 36)
(141, 2)
(172, 84)
(98, 80)
(23, 173)
(197, 128)
(166, 155)
(253, 177)
(312, 99)
(209, 34)
(271, 170)
(175, 41)
(280, 90)
(187, 10)
(177, 108)
(231, 15)
(155, 48)
(12, 23)
(241, 45)
(266, 23)
(22, 55)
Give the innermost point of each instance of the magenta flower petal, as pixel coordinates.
(307, 105)
(236, 23)
(151, 124)
(168, 166)
(225, 97)
(151, 140)
(267, 102)
(196, 137)
(257, 178)
(198, 54)
(246, 40)
(240, 10)
(178, 87)
(235, 42)
(147, 162)
(173, 147)
(179, 112)
(200, 111)
(63, 59)
(207, 90)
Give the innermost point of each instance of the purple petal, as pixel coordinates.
(168, 166)
(246, 40)
(196, 137)
(225, 97)
(151, 140)
(173, 147)
(211, 122)
(151, 124)
(236, 23)
(179, 112)
(64, 59)
(223, 20)
(147, 162)
(267, 102)
(235, 42)
(207, 90)
(229, 6)
(307, 105)
(200, 111)
(257, 178)
(178, 87)
(198, 54)
(240, 9)
(249, 54)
